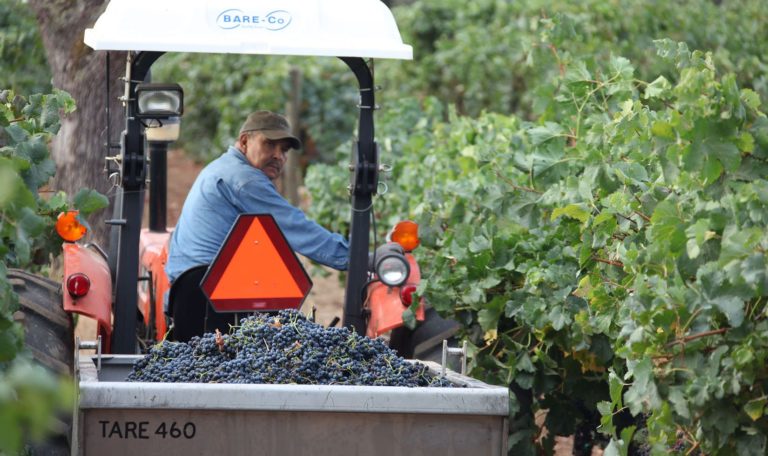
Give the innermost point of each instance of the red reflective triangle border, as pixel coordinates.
(227, 251)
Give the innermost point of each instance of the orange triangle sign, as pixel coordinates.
(256, 269)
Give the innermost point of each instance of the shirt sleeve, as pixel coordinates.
(305, 236)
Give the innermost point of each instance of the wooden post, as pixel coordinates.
(292, 176)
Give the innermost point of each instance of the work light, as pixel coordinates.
(160, 107)
(159, 101)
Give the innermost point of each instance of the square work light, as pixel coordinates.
(159, 101)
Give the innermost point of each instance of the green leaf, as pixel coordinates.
(738, 244)
(621, 66)
(613, 448)
(545, 132)
(643, 393)
(10, 183)
(679, 402)
(616, 386)
(732, 307)
(525, 364)
(754, 270)
(603, 217)
(659, 88)
(751, 445)
(750, 98)
(559, 318)
(17, 133)
(479, 244)
(576, 211)
(711, 171)
(409, 319)
(663, 129)
(626, 439)
(726, 152)
(489, 316)
(667, 225)
(746, 142)
(632, 171)
(10, 343)
(30, 223)
(88, 201)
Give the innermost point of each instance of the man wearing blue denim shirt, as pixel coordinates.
(241, 181)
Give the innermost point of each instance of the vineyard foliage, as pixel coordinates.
(28, 393)
(480, 56)
(484, 55)
(252, 82)
(22, 57)
(607, 259)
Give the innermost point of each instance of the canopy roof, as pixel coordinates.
(340, 28)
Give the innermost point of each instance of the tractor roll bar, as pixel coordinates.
(364, 184)
(133, 178)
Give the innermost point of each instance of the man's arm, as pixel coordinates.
(305, 236)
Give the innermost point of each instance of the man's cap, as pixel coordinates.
(272, 125)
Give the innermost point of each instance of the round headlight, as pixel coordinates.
(393, 270)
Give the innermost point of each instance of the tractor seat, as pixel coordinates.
(190, 309)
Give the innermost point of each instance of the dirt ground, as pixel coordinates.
(327, 292)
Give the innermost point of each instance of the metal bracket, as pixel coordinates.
(92, 345)
(116, 159)
(364, 175)
(456, 352)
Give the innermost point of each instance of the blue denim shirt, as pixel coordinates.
(230, 186)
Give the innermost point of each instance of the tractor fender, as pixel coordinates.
(97, 304)
(385, 305)
(153, 254)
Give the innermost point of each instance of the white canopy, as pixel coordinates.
(340, 28)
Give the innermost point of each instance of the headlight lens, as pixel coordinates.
(393, 270)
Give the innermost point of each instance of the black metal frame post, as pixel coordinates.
(364, 183)
(158, 185)
(133, 177)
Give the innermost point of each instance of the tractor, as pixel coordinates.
(123, 287)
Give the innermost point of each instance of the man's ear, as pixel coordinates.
(242, 140)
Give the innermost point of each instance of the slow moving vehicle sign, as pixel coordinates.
(256, 269)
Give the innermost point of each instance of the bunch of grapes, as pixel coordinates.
(286, 348)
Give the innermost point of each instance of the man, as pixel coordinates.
(241, 181)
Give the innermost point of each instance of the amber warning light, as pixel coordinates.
(406, 233)
(69, 227)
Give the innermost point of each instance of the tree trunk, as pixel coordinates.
(292, 175)
(80, 147)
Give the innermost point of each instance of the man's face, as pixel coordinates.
(269, 155)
